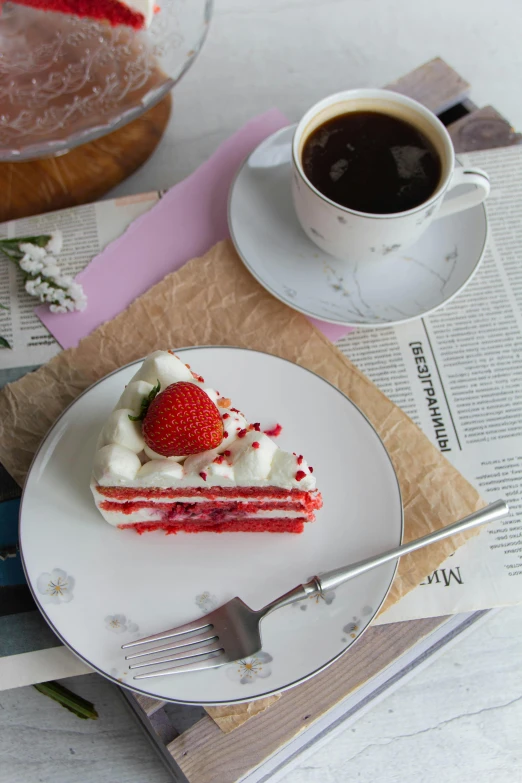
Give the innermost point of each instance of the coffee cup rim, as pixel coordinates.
(346, 95)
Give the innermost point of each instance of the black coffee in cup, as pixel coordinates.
(372, 162)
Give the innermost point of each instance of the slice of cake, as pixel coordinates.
(176, 455)
(133, 13)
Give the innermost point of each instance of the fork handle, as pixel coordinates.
(333, 579)
(296, 594)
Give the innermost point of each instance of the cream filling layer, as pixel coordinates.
(152, 515)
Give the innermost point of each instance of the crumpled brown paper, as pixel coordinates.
(213, 300)
(232, 716)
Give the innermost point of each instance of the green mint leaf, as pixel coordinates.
(146, 401)
(71, 701)
(4, 343)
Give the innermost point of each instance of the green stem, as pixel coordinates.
(3, 342)
(71, 701)
(40, 241)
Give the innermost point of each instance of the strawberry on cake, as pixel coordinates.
(175, 455)
(133, 13)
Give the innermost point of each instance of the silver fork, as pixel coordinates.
(232, 631)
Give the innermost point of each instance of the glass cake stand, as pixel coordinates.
(65, 81)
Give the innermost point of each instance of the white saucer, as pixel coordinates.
(381, 292)
(99, 587)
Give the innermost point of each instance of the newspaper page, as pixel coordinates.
(86, 231)
(467, 399)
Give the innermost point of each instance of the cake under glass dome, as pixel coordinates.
(65, 81)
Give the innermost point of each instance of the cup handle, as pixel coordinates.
(465, 176)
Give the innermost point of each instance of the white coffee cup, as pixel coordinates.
(352, 235)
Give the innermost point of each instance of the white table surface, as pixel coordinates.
(460, 719)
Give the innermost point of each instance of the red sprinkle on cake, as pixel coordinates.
(175, 456)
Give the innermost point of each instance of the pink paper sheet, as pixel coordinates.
(184, 224)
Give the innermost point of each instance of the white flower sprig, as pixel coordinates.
(36, 257)
(43, 278)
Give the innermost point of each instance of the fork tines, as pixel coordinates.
(189, 650)
(196, 625)
(198, 663)
(189, 641)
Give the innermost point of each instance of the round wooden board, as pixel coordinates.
(85, 173)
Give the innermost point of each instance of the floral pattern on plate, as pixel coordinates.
(206, 602)
(119, 623)
(319, 600)
(356, 625)
(250, 669)
(352, 628)
(56, 587)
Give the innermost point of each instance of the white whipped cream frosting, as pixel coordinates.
(123, 458)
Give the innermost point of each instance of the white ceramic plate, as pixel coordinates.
(379, 292)
(118, 586)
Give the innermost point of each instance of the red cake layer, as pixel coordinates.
(275, 525)
(210, 493)
(111, 11)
